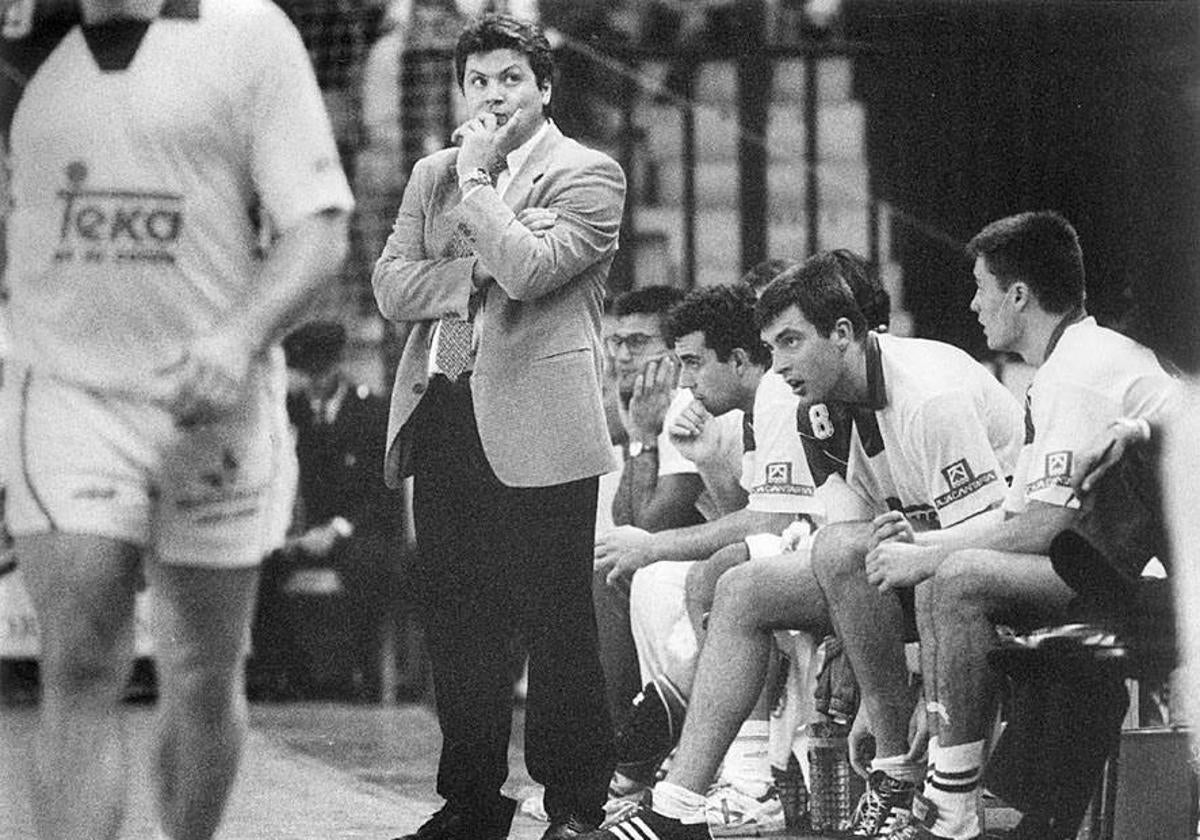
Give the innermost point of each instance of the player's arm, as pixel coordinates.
(658, 501)
(624, 551)
(212, 370)
(698, 436)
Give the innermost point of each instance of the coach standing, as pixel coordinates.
(495, 272)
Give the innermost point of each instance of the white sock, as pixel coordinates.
(932, 751)
(954, 789)
(747, 764)
(900, 768)
(678, 803)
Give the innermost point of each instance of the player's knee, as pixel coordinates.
(702, 579)
(737, 595)
(837, 554)
(958, 586)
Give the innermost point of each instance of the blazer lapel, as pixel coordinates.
(521, 186)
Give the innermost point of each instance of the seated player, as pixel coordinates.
(1030, 300)
(657, 488)
(914, 407)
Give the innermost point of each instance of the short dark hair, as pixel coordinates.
(1040, 249)
(725, 315)
(648, 300)
(505, 32)
(818, 287)
(873, 299)
(761, 274)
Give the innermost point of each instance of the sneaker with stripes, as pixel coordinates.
(645, 824)
(881, 805)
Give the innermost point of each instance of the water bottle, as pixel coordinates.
(835, 787)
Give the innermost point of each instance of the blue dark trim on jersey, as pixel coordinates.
(114, 43)
(829, 455)
(748, 444)
(863, 416)
(876, 387)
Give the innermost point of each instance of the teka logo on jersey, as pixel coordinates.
(122, 225)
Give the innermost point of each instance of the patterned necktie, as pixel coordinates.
(454, 351)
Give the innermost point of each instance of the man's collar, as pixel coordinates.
(517, 157)
(1073, 316)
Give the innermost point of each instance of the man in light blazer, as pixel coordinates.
(513, 233)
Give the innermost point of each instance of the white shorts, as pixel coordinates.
(83, 463)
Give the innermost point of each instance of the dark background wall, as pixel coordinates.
(980, 109)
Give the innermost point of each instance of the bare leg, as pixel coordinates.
(82, 588)
(928, 634)
(702, 584)
(871, 627)
(201, 622)
(972, 590)
(751, 601)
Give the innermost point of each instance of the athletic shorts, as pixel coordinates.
(213, 495)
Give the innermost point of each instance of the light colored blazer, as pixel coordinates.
(536, 385)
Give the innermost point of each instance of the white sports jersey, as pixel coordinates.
(147, 160)
(940, 434)
(1091, 377)
(777, 476)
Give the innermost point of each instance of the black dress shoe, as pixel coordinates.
(453, 825)
(566, 828)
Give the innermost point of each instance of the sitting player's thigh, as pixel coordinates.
(658, 618)
(772, 593)
(1021, 589)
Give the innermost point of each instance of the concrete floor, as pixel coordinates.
(327, 771)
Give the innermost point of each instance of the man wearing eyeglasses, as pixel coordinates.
(659, 487)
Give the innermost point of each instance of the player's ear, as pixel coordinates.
(1020, 294)
(843, 334)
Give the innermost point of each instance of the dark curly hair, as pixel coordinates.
(504, 32)
(725, 316)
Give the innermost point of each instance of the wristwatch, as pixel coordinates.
(478, 177)
(636, 448)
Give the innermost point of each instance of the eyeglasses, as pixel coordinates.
(636, 342)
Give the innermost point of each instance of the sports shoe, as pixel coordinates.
(645, 824)
(650, 731)
(733, 812)
(884, 801)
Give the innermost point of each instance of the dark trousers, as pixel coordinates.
(499, 563)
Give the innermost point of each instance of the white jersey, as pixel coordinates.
(148, 163)
(939, 437)
(776, 473)
(1091, 377)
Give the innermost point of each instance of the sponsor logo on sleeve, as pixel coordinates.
(1057, 474)
(962, 481)
(777, 479)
